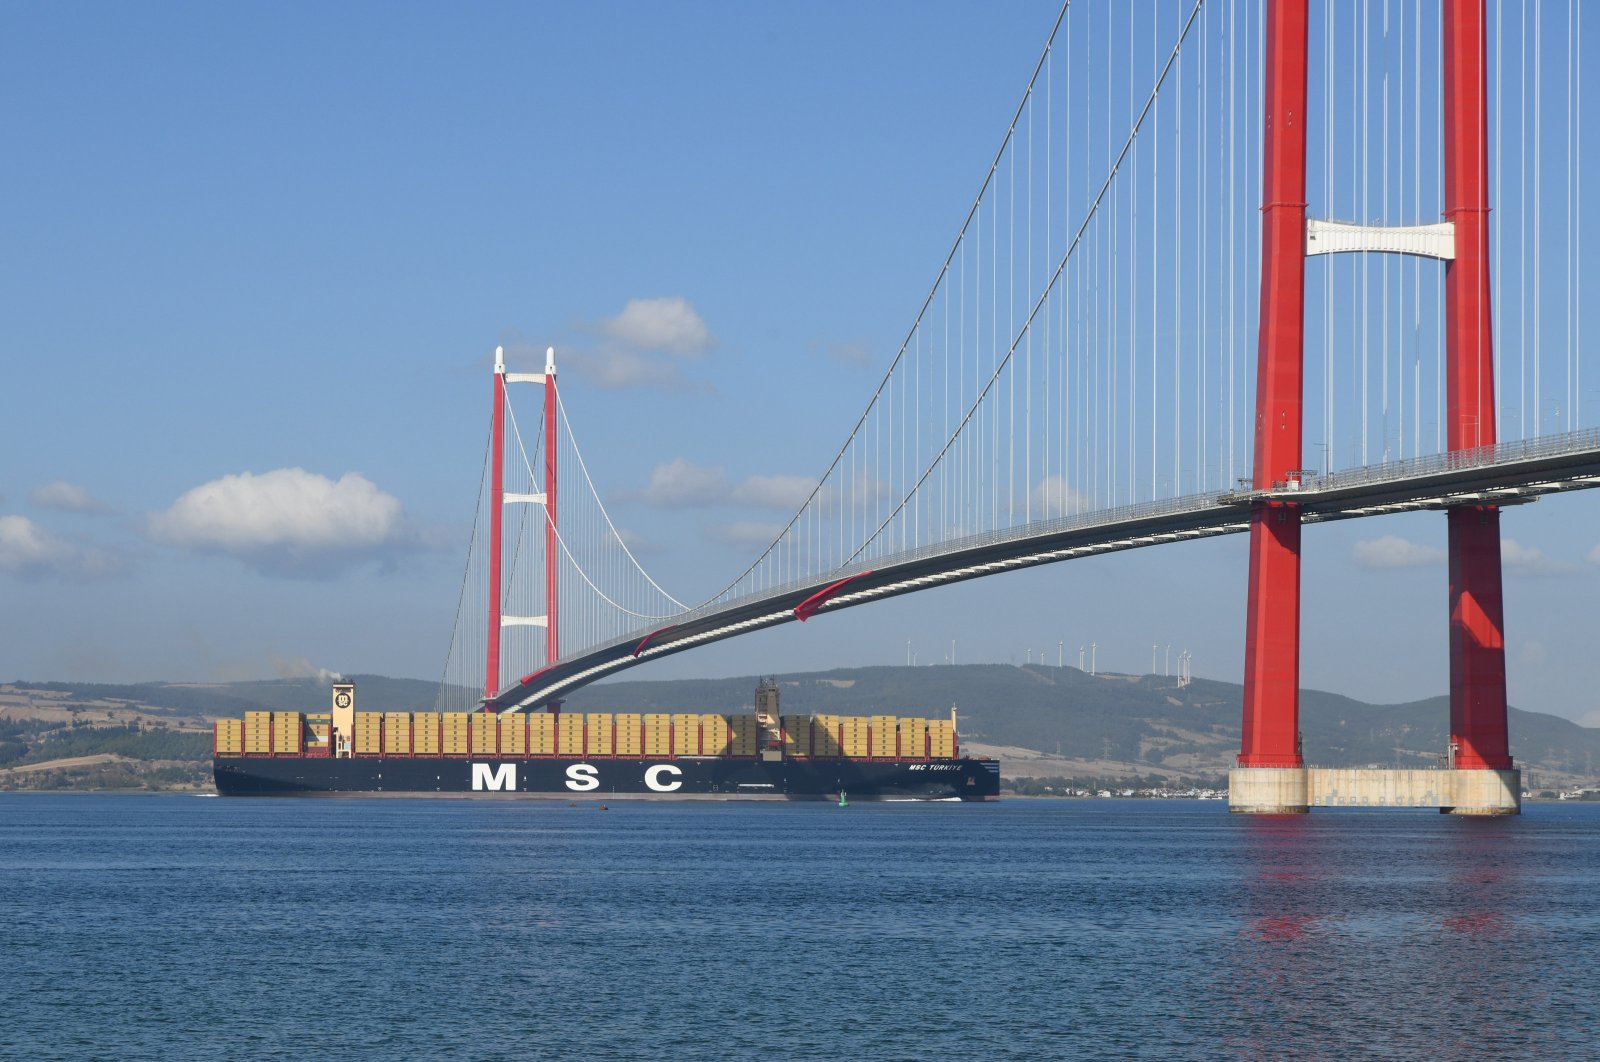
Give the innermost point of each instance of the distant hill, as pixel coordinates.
(1043, 720)
(1138, 721)
(213, 699)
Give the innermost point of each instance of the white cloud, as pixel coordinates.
(28, 550)
(289, 521)
(746, 534)
(850, 353)
(1052, 497)
(668, 324)
(680, 484)
(774, 492)
(1533, 654)
(1392, 551)
(67, 497)
(636, 543)
(1528, 560)
(644, 346)
(620, 370)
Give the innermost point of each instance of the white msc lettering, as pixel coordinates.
(652, 778)
(581, 777)
(503, 777)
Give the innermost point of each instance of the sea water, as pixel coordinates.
(176, 927)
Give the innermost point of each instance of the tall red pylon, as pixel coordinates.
(498, 499)
(1478, 735)
(1272, 631)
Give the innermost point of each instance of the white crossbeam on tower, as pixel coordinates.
(1338, 237)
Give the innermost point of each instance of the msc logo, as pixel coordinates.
(485, 777)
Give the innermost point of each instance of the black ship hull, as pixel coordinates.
(603, 778)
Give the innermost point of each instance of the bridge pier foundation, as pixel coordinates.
(1295, 790)
(1269, 790)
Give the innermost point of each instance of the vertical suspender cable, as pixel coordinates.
(1383, 200)
(1027, 378)
(1538, 218)
(1155, 278)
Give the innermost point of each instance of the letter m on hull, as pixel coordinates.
(487, 777)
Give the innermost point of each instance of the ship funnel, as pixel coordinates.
(344, 717)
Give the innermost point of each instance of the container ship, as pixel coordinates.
(510, 748)
(757, 755)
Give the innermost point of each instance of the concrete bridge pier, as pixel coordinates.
(1295, 790)
(1269, 790)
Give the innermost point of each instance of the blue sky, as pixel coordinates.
(259, 256)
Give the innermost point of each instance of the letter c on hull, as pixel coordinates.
(652, 778)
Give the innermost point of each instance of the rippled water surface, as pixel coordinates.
(184, 927)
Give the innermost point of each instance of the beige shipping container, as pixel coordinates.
(914, 738)
(686, 734)
(541, 734)
(714, 735)
(796, 735)
(485, 733)
(569, 734)
(257, 719)
(746, 732)
(885, 736)
(229, 737)
(514, 734)
(425, 733)
(941, 739)
(366, 742)
(453, 739)
(599, 724)
(630, 727)
(657, 734)
(397, 733)
(825, 737)
(286, 733)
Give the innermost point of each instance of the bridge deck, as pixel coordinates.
(1508, 474)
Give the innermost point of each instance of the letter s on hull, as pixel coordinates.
(652, 778)
(581, 777)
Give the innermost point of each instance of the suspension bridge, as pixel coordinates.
(1210, 234)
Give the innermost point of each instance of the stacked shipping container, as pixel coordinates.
(624, 735)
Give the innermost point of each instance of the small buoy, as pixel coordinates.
(843, 803)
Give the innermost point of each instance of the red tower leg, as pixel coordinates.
(1477, 639)
(1272, 629)
(497, 463)
(552, 540)
(1477, 646)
